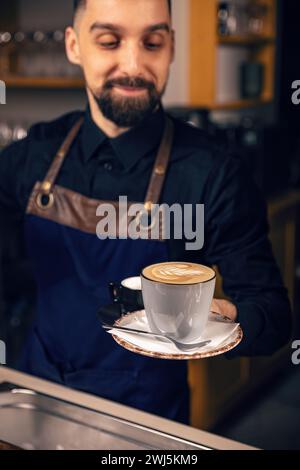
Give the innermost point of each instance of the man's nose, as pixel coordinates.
(131, 59)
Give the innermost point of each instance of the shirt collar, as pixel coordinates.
(128, 147)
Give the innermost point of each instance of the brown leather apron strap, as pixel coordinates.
(50, 178)
(161, 165)
(66, 207)
(158, 173)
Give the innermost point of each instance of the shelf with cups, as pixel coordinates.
(246, 40)
(239, 104)
(37, 59)
(17, 81)
(233, 50)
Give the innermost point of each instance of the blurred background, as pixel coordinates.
(235, 75)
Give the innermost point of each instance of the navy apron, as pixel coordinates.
(73, 268)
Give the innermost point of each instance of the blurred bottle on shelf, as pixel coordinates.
(231, 19)
(11, 132)
(19, 132)
(36, 58)
(257, 13)
(21, 41)
(5, 134)
(5, 52)
(57, 57)
(60, 66)
(223, 14)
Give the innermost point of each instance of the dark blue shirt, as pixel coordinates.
(236, 228)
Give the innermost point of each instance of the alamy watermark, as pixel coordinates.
(296, 353)
(296, 93)
(2, 92)
(157, 222)
(2, 353)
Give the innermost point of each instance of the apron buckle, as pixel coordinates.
(45, 201)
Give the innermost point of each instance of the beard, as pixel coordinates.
(128, 111)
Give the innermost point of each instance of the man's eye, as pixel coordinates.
(153, 42)
(152, 46)
(109, 45)
(108, 41)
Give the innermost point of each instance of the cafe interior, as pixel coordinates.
(236, 75)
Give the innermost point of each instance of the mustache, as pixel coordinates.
(130, 82)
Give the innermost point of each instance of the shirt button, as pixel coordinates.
(108, 166)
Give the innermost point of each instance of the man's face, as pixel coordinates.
(125, 48)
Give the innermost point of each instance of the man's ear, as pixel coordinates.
(173, 38)
(72, 46)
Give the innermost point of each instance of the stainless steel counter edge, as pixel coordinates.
(114, 409)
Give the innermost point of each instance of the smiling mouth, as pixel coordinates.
(130, 90)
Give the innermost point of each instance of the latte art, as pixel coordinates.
(178, 273)
(174, 271)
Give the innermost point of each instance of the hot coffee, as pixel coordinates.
(177, 298)
(182, 273)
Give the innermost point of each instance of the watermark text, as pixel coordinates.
(157, 222)
(2, 353)
(296, 353)
(2, 92)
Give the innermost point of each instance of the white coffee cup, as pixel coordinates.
(177, 297)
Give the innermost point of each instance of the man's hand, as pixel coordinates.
(224, 307)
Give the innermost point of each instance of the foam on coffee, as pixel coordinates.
(178, 273)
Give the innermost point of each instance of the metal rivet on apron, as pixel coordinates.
(160, 170)
(46, 186)
(148, 205)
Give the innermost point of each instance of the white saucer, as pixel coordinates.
(224, 336)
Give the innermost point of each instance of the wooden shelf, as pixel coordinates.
(240, 104)
(283, 202)
(43, 82)
(209, 62)
(248, 41)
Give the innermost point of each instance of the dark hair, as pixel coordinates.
(79, 3)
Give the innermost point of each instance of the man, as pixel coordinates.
(125, 49)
